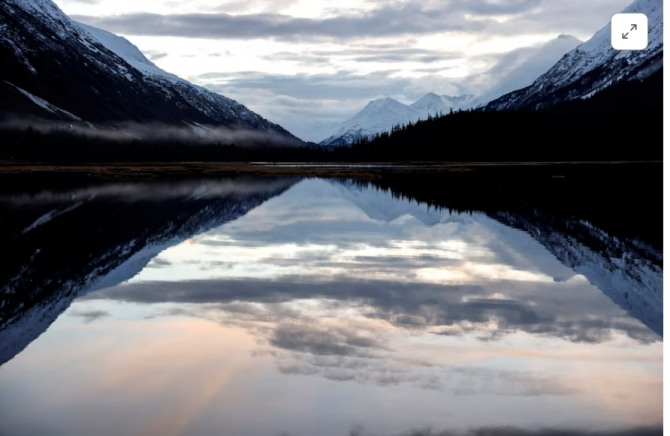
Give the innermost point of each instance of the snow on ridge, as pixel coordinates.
(126, 51)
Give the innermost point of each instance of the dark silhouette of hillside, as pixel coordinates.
(621, 123)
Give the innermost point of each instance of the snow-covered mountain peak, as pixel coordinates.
(429, 100)
(433, 104)
(380, 105)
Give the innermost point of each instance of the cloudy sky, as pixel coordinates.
(309, 64)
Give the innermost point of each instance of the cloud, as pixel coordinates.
(311, 105)
(155, 55)
(385, 21)
(89, 316)
(455, 309)
(394, 19)
(339, 341)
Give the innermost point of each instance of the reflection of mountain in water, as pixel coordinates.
(58, 245)
(384, 205)
(512, 283)
(62, 245)
(628, 272)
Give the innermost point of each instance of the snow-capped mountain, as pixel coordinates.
(521, 67)
(381, 115)
(376, 117)
(433, 104)
(56, 69)
(593, 66)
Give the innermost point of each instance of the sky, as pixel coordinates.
(310, 65)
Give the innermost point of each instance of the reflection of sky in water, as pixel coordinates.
(333, 310)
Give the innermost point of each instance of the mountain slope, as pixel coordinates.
(521, 67)
(56, 69)
(592, 66)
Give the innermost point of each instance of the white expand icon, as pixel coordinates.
(630, 31)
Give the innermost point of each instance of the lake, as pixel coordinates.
(407, 304)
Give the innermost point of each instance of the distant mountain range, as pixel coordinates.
(561, 70)
(519, 70)
(58, 70)
(382, 114)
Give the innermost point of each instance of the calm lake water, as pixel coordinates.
(289, 306)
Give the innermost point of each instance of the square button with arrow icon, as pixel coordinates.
(630, 31)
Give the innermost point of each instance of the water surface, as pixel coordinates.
(322, 307)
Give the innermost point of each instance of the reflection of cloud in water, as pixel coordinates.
(89, 316)
(326, 339)
(549, 309)
(362, 287)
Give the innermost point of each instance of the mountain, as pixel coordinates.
(592, 66)
(377, 116)
(381, 115)
(58, 70)
(521, 67)
(433, 104)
